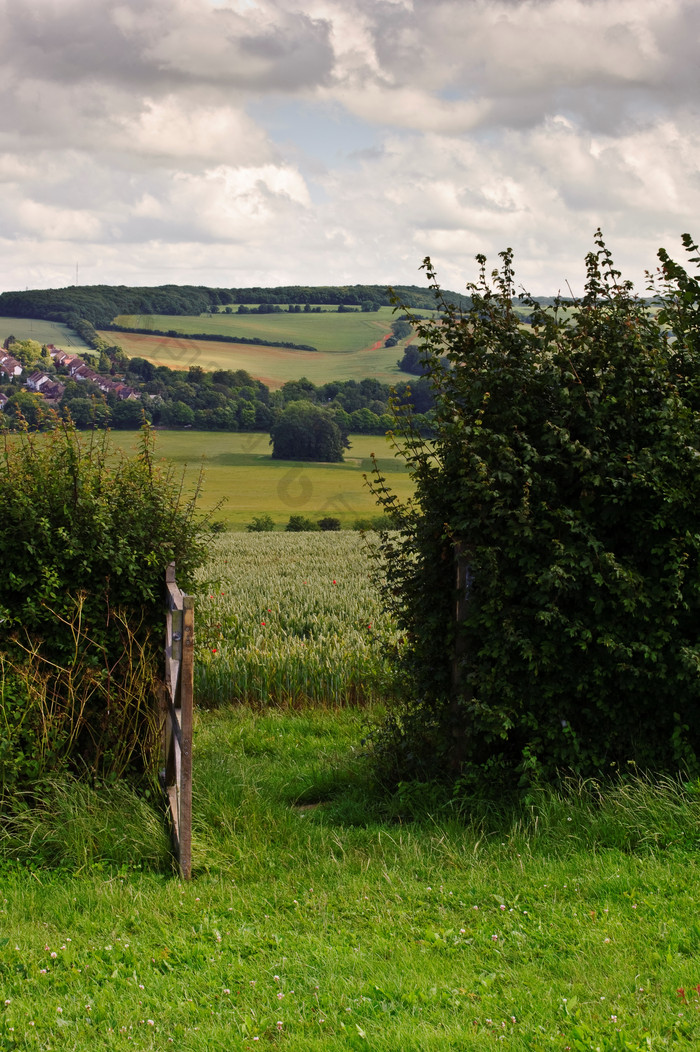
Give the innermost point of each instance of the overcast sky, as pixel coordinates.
(263, 142)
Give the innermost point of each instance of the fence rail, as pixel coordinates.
(177, 693)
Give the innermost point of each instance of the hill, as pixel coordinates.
(101, 304)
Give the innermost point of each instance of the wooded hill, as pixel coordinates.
(100, 304)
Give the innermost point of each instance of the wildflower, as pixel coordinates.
(54, 954)
(280, 1024)
(280, 995)
(494, 938)
(59, 1010)
(262, 623)
(150, 1022)
(226, 990)
(213, 650)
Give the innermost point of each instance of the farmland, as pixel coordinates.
(41, 331)
(239, 470)
(292, 619)
(328, 331)
(325, 913)
(349, 346)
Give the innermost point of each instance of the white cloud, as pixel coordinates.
(447, 127)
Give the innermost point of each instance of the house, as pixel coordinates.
(9, 365)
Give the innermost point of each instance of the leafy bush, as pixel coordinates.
(300, 524)
(329, 522)
(260, 524)
(562, 484)
(85, 536)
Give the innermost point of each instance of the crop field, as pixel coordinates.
(291, 619)
(41, 331)
(239, 470)
(274, 366)
(329, 331)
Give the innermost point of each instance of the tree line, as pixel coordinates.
(101, 304)
(222, 400)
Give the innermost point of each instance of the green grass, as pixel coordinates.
(41, 331)
(240, 471)
(349, 346)
(274, 366)
(318, 905)
(329, 332)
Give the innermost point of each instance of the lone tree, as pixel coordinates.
(547, 575)
(304, 431)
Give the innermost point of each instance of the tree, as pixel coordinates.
(556, 513)
(304, 431)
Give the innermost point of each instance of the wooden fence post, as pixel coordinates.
(176, 774)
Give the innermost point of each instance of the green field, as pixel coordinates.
(329, 331)
(292, 619)
(41, 331)
(240, 471)
(349, 346)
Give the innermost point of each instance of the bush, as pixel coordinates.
(85, 536)
(557, 505)
(300, 524)
(260, 524)
(329, 523)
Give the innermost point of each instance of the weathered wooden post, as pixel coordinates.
(176, 774)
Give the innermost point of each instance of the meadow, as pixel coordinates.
(329, 332)
(239, 470)
(273, 366)
(328, 912)
(39, 330)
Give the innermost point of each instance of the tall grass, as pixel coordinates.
(292, 619)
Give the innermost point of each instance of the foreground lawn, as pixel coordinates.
(325, 916)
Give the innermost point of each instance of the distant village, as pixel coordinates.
(48, 387)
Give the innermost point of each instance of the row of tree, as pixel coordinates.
(223, 400)
(101, 304)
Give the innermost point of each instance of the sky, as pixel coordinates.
(268, 142)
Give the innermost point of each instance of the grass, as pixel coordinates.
(240, 471)
(324, 916)
(41, 331)
(274, 366)
(329, 332)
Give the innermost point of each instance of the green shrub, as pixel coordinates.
(329, 523)
(563, 480)
(260, 524)
(85, 536)
(300, 524)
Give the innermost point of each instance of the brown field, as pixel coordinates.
(274, 366)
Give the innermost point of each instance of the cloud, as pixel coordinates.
(342, 140)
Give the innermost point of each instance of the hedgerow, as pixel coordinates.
(564, 481)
